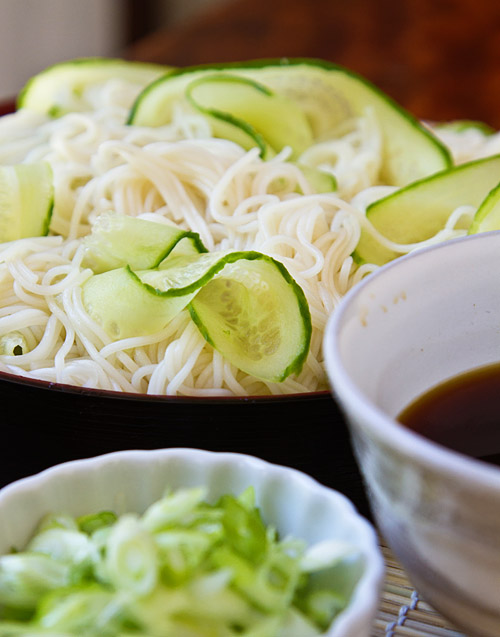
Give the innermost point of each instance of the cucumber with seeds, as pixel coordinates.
(245, 304)
(26, 200)
(58, 89)
(256, 316)
(420, 210)
(328, 95)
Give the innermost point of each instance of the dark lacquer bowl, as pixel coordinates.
(44, 424)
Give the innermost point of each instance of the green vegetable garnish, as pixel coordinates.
(249, 113)
(26, 200)
(245, 304)
(420, 210)
(184, 568)
(58, 89)
(324, 94)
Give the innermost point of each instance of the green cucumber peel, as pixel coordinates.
(26, 200)
(328, 94)
(420, 210)
(272, 352)
(226, 124)
(247, 112)
(245, 304)
(118, 240)
(56, 90)
(487, 217)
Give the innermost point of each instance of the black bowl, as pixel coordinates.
(45, 423)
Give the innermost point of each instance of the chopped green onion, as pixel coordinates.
(184, 567)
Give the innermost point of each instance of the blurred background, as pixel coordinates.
(36, 33)
(438, 58)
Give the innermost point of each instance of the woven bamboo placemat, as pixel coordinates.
(402, 612)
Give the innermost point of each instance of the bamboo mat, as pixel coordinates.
(402, 613)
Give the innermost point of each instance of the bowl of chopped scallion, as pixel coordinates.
(184, 543)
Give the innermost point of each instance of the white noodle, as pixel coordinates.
(179, 174)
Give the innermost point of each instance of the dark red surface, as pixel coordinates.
(7, 107)
(439, 58)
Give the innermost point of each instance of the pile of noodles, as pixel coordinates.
(180, 175)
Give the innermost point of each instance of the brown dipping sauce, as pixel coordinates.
(462, 413)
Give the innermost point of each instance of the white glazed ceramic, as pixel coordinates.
(131, 480)
(405, 328)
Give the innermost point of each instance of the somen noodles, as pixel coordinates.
(181, 175)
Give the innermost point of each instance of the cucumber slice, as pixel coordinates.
(245, 304)
(118, 240)
(487, 217)
(26, 200)
(256, 316)
(320, 180)
(13, 344)
(125, 307)
(245, 111)
(420, 210)
(58, 89)
(328, 94)
(463, 125)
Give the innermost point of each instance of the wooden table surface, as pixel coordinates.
(438, 58)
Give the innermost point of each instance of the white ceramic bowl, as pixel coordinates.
(415, 322)
(129, 481)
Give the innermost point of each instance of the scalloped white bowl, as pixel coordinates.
(128, 481)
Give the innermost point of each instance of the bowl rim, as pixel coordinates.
(375, 420)
(366, 594)
(46, 385)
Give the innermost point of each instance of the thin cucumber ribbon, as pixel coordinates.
(247, 112)
(26, 200)
(245, 304)
(328, 95)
